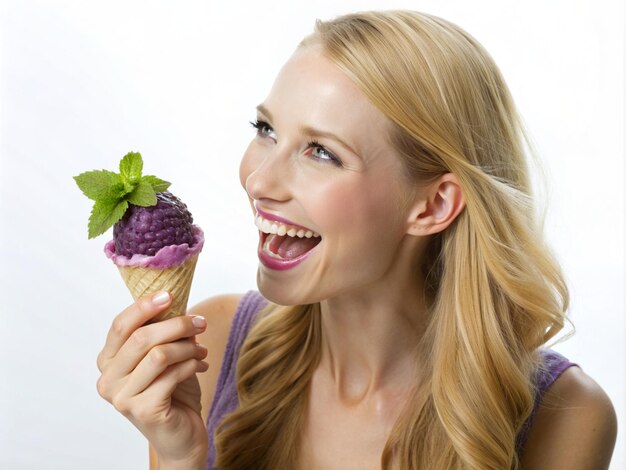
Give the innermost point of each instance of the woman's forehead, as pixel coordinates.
(311, 91)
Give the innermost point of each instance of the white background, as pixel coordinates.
(82, 83)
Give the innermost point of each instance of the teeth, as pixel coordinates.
(266, 248)
(266, 226)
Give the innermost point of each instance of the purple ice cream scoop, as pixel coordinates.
(145, 230)
(159, 236)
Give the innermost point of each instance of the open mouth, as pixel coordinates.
(286, 247)
(285, 242)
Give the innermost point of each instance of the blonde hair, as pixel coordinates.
(498, 292)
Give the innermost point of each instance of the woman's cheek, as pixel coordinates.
(336, 206)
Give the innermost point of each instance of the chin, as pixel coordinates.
(270, 290)
(276, 294)
(281, 293)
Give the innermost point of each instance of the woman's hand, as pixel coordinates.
(149, 375)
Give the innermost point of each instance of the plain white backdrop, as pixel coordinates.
(82, 83)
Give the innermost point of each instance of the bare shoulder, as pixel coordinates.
(218, 312)
(575, 426)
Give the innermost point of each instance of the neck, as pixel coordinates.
(370, 339)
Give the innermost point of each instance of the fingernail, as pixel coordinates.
(198, 322)
(202, 349)
(160, 298)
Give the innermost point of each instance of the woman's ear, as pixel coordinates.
(437, 205)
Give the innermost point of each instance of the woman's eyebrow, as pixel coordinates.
(311, 131)
(263, 110)
(329, 135)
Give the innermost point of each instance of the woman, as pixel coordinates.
(405, 288)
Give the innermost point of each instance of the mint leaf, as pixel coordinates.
(113, 192)
(157, 184)
(104, 214)
(100, 184)
(131, 167)
(143, 195)
(128, 187)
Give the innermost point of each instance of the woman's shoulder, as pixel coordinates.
(223, 314)
(575, 426)
(218, 311)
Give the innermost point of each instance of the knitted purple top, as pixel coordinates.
(226, 401)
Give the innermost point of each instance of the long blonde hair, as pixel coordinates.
(498, 291)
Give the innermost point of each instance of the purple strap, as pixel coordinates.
(554, 364)
(225, 399)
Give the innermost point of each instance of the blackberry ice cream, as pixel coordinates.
(155, 244)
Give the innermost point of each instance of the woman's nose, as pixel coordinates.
(267, 176)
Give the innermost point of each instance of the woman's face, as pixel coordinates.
(320, 159)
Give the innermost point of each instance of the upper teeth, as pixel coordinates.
(268, 226)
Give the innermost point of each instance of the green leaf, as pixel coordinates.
(104, 214)
(131, 167)
(157, 184)
(100, 184)
(113, 193)
(143, 195)
(128, 187)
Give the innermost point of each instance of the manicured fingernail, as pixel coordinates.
(198, 322)
(160, 298)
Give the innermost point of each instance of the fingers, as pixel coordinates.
(118, 383)
(153, 404)
(158, 360)
(129, 321)
(144, 339)
(175, 375)
(172, 377)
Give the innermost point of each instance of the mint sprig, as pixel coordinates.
(114, 192)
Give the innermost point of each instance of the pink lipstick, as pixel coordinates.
(276, 263)
(276, 218)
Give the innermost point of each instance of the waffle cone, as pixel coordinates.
(175, 280)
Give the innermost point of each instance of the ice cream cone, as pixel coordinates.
(175, 280)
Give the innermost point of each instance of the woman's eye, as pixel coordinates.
(263, 129)
(318, 151)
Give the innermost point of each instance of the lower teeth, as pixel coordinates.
(266, 249)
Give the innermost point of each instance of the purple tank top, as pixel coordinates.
(226, 401)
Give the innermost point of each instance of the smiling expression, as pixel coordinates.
(320, 161)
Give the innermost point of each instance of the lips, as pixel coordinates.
(279, 220)
(282, 243)
(274, 260)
